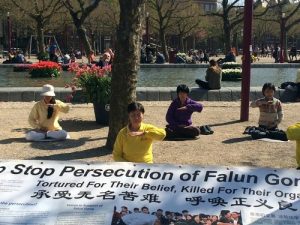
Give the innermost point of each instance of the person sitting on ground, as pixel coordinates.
(134, 142)
(160, 58)
(179, 115)
(270, 108)
(20, 58)
(104, 61)
(111, 54)
(213, 77)
(66, 58)
(44, 117)
(179, 59)
(230, 57)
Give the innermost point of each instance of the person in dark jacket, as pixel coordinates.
(179, 115)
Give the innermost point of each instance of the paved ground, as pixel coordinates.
(228, 146)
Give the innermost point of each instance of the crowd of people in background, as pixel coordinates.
(160, 217)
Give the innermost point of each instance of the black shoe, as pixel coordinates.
(298, 168)
(209, 129)
(204, 130)
(249, 129)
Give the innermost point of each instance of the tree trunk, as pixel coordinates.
(181, 43)
(40, 37)
(125, 66)
(81, 31)
(227, 35)
(164, 44)
(285, 47)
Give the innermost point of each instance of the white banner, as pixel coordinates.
(71, 193)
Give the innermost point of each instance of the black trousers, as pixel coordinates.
(182, 132)
(202, 84)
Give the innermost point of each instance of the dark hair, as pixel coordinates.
(133, 106)
(268, 86)
(50, 109)
(144, 207)
(183, 88)
(224, 212)
(212, 62)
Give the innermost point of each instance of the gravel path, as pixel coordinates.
(227, 146)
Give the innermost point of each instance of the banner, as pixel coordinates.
(73, 193)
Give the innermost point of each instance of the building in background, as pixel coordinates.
(208, 5)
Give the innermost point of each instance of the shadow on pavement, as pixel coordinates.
(13, 140)
(225, 123)
(65, 144)
(52, 145)
(84, 154)
(74, 125)
(236, 140)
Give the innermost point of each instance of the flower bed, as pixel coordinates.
(94, 81)
(44, 69)
(231, 71)
(231, 74)
(230, 65)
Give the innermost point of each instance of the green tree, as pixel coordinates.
(125, 66)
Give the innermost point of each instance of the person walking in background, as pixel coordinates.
(44, 117)
(213, 77)
(276, 53)
(134, 142)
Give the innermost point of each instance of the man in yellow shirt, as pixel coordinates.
(44, 117)
(134, 142)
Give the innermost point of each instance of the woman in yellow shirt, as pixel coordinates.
(134, 142)
(44, 117)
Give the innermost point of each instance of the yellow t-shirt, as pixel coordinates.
(293, 132)
(38, 115)
(137, 148)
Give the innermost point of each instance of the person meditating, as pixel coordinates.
(179, 116)
(213, 77)
(44, 117)
(134, 142)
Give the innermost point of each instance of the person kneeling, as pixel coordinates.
(179, 115)
(44, 117)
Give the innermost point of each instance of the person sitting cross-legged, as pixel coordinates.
(179, 115)
(44, 117)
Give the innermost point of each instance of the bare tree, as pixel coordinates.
(162, 12)
(186, 22)
(285, 14)
(41, 12)
(231, 14)
(125, 66)
(79, 11)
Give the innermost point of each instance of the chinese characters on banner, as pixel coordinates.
(56, 193)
